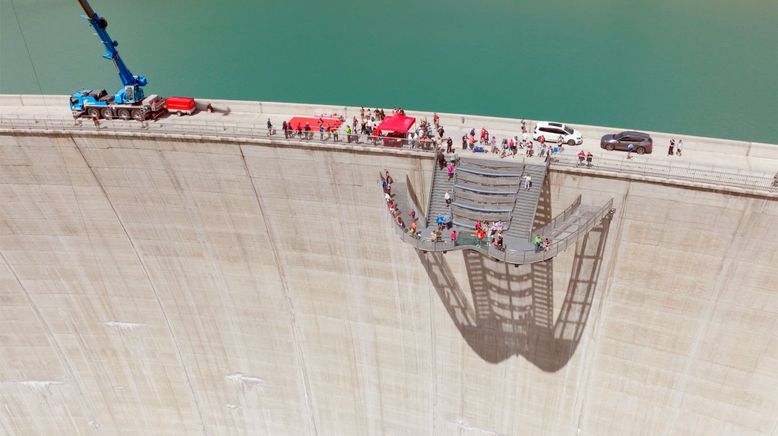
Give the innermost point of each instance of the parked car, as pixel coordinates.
(641, 142)
(557, 132)
(180, 105)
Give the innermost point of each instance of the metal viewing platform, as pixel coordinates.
(499, 194)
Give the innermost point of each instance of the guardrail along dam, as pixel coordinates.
(158, 284)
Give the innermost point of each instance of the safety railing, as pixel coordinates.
(557, 245)
(497, 200)
(468, 241)
(640, 165)
(484, 182)
(184, 127)
(424, 243)
(562, 217)
(174, 126)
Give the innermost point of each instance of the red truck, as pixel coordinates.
(180, 105)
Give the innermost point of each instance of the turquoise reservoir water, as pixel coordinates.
(702, 67)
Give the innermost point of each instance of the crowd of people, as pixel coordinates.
(485, 232)
(305, 132)
(443, 223)
(510, 146)
(492, 232)
(394, 210)
(427, 135)
(430, 136)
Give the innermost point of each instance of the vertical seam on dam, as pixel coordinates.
(148, 278)
(52, 340)
(282, 275)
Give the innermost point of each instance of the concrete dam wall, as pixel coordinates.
(154, 286)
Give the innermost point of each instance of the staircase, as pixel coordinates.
(484, 190)
(526, 204)
(437, 202)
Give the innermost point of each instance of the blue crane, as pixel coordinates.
(129, 101)
(132, 91)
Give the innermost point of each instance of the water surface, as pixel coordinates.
(698, 67)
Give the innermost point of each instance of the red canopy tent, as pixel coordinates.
(327, 122)
(396, 123)
(396, 126)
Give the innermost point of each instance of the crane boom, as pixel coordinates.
(129, 101)
(125, 75)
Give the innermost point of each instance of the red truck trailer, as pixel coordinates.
(180, 105)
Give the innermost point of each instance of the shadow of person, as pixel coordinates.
(512, 307)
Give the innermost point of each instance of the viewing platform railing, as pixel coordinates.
(518, 257)
(561, 218)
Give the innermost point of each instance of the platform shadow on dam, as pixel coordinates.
(510, 311)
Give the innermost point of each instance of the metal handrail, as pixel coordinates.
(493, 165)
(469, 179)
(480, 209)
(484, 191)
(507, 255)
(189, 128)
(486, 173)
(197, 129)
(639, 165)
(557, 246)
(462, 195)
(551, 226)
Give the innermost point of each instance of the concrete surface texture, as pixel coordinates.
(169, 287)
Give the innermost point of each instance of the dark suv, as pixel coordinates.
(641, 142)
